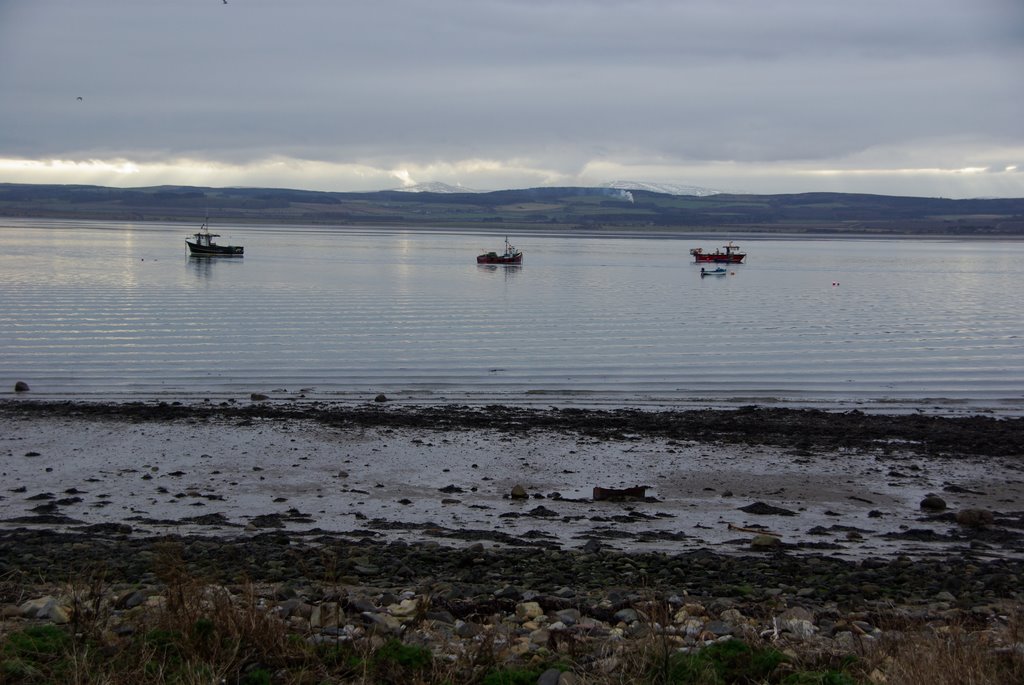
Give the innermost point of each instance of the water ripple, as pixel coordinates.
(338, 312)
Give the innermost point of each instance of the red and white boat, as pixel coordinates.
(732, 255)
(511, 256)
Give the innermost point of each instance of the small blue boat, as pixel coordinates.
(720, 271)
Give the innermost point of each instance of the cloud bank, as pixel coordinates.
(920, 97)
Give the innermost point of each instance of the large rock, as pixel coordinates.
(325, 615)
(765, 542)
(933, 503)
(799, 627)
(406, 609)
(974, 518)
(762, 509)
(620, 494)
(627, 615)
(527, 611)
(569, 617)
(382, 624)
(552, 676)
(48, 608)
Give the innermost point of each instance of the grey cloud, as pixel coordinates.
(559, 83)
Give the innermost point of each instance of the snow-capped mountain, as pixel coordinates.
(666, 188)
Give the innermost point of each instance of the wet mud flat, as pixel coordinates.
(844, 485)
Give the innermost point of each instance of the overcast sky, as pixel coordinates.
(900, 97)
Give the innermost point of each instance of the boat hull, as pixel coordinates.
(712, 258)
(510, 256)
(215, 250)
(500, 259)
(729, 254)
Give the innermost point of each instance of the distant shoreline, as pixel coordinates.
(696, 233)
(545, 210)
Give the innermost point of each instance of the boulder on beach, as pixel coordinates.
(519, 492)
(765, 542)
(762, 509)
(633, 493)
(974, 518)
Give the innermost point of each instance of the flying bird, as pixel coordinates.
(79, 98)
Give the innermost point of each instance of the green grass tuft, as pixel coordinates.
(511, 676)
(35, 642)
(409, 657)
(814, 678)
(732, 661)
(255, 677)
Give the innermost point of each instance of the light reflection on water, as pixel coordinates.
(92, 310)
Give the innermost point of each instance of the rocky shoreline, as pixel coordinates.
(477, 572)
(537, 601)
(530, 606)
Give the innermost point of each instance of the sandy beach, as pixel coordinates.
(844, 485)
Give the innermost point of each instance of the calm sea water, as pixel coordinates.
(119, 310)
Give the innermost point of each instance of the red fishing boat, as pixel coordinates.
(510, 256)
(732, 255)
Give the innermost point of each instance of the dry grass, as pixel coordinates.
(955, 655)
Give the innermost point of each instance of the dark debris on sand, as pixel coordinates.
(751, 425)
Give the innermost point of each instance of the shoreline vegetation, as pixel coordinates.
(537, 210)
(99, 604)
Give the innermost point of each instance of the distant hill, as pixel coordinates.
(537, 209)
(436, 187)
(666, 188)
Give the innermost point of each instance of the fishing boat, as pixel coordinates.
(510, 256)
(720, 271)
(202, 245)
(731, 255)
